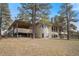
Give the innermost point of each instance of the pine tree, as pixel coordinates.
(69, 16)
(35, 12)
(6, 19)
(5, 16)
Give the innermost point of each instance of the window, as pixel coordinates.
(42, 35)
(42, 26)
(55, 36)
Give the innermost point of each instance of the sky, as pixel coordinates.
(54, 10)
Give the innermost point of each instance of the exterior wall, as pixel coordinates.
(50, 32)
(42, 31)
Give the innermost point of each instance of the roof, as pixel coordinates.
(20, 24)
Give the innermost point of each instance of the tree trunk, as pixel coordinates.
(67, 29)
(67, 14)
(68, 26)
(0, 26)
(0, 20)
(33, 19)
(17, 30)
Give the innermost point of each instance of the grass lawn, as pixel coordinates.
(35, 47)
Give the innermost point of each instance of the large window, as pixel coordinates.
(54, 29)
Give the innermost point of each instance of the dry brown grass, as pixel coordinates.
(34, 47)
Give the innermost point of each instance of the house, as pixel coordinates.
(21, 28)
